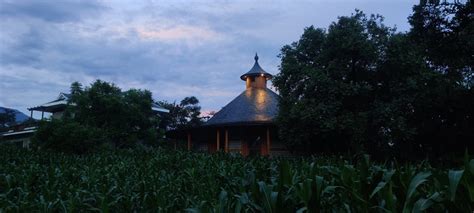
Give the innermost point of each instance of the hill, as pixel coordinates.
(19, 116)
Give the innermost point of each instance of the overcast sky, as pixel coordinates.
(172, 48)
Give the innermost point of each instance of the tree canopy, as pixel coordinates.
(186, 114)
(362, 86)
(6, 117)
(101, 114)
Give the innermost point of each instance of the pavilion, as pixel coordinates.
(21, 134)
(58, 106)
(246, 125)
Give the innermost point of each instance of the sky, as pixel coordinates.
(172, 48)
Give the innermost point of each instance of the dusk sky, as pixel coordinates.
(172, 48)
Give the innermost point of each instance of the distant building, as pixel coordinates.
(19, 131)
(20, 134)
(57, 107)
(246, 125)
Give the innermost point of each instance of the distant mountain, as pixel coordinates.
(19, 116)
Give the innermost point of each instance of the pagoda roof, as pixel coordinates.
(253, 106)
(53, 106)
(256, 71)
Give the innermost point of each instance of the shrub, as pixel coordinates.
(68, 136)
(100, 114)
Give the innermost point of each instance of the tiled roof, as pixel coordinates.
(253, 106)
(256, 71)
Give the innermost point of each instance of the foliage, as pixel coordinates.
(445, 31)
(362, 87)
(101, 113)
(186, 114)
(6, 117)
(170, 181)
(68, 136)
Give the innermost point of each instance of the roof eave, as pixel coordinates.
(241, 123)
(266, 74)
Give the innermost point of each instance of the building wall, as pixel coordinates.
(247, 141)
(18, 141)
(256, 82)
(57, 115)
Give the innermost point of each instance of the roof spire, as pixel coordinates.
(256, 71)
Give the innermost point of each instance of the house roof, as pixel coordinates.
(256, 71)
(253, 106)
(157, 108)
(53, 106)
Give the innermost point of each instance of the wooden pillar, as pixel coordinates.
(189, 141)
(217, 140)
(31, 113)
(42, 115)
(244, 141)
(245, 147)
(226, 148)
(268, 141)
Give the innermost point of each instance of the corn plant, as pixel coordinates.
(162, 180)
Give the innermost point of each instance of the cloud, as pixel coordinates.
(41, 76)
(172, 48)
(50, 11)
(176, 33)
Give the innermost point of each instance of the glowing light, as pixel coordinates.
(261, 104)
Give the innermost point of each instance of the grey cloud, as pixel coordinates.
(55, 41)
(50, 11)
(25, 50)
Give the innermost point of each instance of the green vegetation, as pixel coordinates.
(101, 115)
(186, 114)
(6, 117)
(362, 86)
(168, 180)
(357, 87)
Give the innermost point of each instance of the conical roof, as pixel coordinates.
(253, 106)
(256, 71)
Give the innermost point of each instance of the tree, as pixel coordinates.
(326, 84)
(120, 119)
(186, 114)
(76, 88)
(190, 112)
(7, 117)
(359, 86)
(444, 32)
(69, 136)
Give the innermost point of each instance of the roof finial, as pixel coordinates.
(256, 57)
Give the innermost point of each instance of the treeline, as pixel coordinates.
(103, 116)
(361, 86)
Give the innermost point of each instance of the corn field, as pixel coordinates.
(161, 180)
